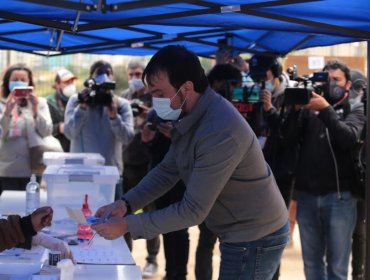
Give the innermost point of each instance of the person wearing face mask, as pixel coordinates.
(270, 81)
(136, 156)
(328, 131)
(64, 88)
(271, 123)
(136, 87)
(217, 156)
(222, 78)
(22, 119)
(96, 126)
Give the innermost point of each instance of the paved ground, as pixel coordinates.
(291, 267)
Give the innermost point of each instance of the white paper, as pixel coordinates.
(76, 215)
(316, 62)
(99, 255)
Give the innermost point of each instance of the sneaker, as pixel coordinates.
(150, 270)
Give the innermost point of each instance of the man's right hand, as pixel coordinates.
(41, 218)
(165, 128)
(115, 209)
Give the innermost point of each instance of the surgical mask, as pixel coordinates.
(102, 78)
(269, 86)
(135, 85)
(162, 107)
(69, 90)
(14, 84)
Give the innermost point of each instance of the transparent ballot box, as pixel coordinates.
(59, 158)
(66, 186)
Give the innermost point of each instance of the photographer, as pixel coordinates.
(270, 121)
(96, 121)
(222, 78)
(326, 211)
(269, 83)
(24, 117)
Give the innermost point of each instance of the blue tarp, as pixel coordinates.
(142, 27)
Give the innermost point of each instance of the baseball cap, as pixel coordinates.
(65, 75)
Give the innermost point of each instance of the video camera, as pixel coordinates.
(98, 90)
(244, 98)
(301, 94)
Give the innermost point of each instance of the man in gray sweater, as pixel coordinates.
(217, 155)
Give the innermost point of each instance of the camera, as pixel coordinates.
(247, 94)
(98, 90)
(153, 121)
(243, 98)
(22, 92)
(137, 107)
(301, 94)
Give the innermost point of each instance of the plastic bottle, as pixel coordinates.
(32, 195)
(66, 269)
(84, 230)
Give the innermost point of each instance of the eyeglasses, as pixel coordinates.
(136, 74)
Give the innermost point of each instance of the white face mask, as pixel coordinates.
(269, 86)
(135, 85)
(162, 107)
(69, 90)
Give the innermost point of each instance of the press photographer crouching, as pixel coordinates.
(327, 133)
(97, 121)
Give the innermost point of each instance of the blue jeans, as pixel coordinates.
(326, 224)
(255, 260)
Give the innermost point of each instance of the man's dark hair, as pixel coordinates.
(100, 64)
(20, 66)
(259, 64)
(336, 64)
(221, 72)
(180, 65)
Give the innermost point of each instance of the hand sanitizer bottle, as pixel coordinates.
(84, 230)
(32, 195)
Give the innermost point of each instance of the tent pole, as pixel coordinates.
(367, 193)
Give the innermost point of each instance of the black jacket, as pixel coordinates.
(316, 168)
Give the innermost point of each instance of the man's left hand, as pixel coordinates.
(112, 228)
(317, 103)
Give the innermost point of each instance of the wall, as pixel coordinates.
(301, 61)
